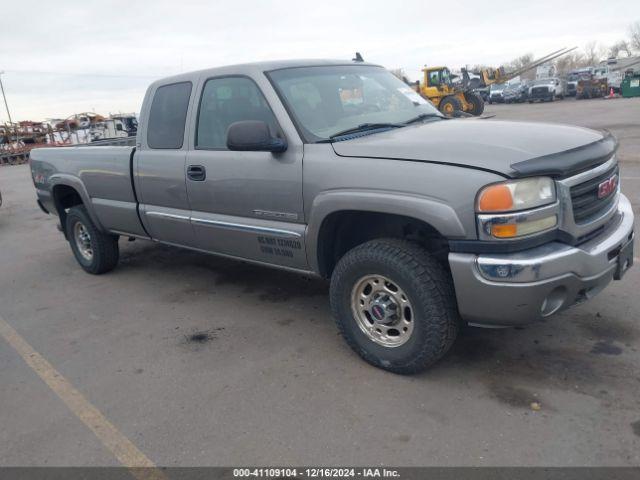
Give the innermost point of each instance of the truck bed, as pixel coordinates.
(101, 174)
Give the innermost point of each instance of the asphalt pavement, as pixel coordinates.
(197, 360)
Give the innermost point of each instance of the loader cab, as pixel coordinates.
(438, 77)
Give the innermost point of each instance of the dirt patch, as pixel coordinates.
(513, 396)
(606, 348)
(201, 337)
(285, 321)
(606, 329)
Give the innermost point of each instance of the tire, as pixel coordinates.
(449, 105)
(424, 284)
(477, 104)
(95, 251)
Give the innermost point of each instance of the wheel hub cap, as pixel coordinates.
(83, 240)
(382, 310)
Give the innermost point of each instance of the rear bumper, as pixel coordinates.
(523, 287)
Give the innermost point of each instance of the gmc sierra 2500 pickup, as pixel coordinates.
(338, 169)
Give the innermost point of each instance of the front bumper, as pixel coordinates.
(523, 287)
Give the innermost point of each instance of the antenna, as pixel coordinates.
(358, 58)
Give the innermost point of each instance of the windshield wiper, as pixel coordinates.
(423, 116)
(364, 127)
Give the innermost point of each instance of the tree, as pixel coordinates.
(619, 46)
(591, 52)
(634, 36)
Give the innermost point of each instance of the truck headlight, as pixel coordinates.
(516, 195)
(517, 208)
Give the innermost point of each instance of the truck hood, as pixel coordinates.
(509, 148)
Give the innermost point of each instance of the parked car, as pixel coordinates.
(546, 89)
(495, 92)
(483, 92)
(516, 93)
(420, 222)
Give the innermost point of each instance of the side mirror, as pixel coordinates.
(253, 136)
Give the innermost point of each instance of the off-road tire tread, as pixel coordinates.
(436, 296)
(105, 247)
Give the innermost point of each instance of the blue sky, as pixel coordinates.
(61, 58)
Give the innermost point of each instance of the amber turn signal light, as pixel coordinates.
(496, 198)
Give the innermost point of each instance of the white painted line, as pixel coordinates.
(120, 446)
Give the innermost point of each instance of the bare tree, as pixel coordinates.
(591, 53)
(634, 36)
(619, 46)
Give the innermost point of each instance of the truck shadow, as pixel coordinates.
(565, 353)
(267, 284)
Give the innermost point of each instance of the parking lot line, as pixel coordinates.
(121, 447)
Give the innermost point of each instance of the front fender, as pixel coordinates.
(439, 215)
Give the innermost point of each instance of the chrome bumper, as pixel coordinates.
(522, 287)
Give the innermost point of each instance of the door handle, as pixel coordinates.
(197, 173)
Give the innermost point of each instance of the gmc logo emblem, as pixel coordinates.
(607, 187)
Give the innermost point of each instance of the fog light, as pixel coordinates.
(554, 301)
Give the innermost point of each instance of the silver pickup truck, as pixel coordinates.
(338, 169)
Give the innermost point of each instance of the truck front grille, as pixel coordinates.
(539, 91)
(585, 201)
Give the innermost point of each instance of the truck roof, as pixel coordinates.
(257, 67)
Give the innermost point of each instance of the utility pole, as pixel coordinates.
(6, 105)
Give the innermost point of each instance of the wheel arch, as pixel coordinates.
(68, 191)
(343, 220)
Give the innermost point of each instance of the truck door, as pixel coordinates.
(159, 165)
(245, 204)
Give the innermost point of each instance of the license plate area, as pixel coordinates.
(624, 260)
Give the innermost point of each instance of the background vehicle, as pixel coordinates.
(419, 221)
(591, 86)
(449, 96)
(574, 76)
(118, 126)
(439, 88)
(496, 92)
(516, 92)
(546, 89)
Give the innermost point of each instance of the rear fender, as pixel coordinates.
(75, 183)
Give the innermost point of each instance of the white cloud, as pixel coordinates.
(106, 52)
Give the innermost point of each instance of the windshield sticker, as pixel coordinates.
(413, 96)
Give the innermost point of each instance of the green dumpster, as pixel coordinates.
(630, 86)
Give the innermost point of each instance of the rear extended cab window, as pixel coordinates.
(168, 115)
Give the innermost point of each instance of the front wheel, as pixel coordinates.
(476, 102)
(395, 305)
(449, 105)
(95, 251)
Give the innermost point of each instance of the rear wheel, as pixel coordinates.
(476, 102)
(95, 251)
(449, 105)
(395, 305)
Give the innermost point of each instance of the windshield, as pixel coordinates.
(325, 101)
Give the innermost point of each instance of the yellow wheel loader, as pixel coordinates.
(438, 87)
(449, 97)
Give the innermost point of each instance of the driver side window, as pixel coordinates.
(225, 101)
